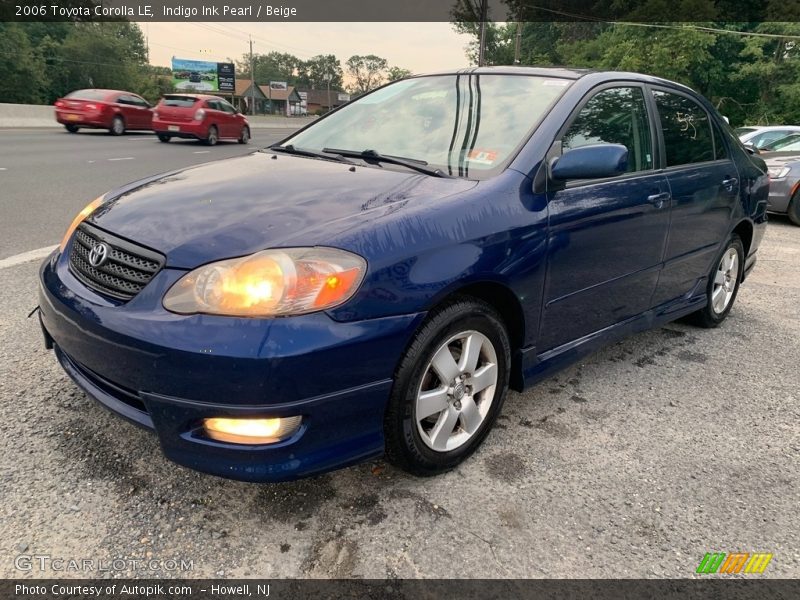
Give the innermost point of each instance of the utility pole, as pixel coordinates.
(328, 81)
(252, 82)
(518, 42)
(482, 40)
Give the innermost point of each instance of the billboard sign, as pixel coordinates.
(278, 85)
(202, 76)
(341, 97)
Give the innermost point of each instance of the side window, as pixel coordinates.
(614, 116)
(687, 130)
(228, 108)
(212, 104)
(123, 99)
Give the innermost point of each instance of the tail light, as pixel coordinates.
(200, 115)
(59, 103)
(155, 114)
(90, 106)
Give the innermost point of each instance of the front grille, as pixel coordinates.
(126, 269)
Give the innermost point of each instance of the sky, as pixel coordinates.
(419, 47)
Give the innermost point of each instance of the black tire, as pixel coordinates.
(72, 128)
(164, 138)
(404, 443)
(794, 209)
(117, 125)
(212, 137)
(244, 138)
(708, 316)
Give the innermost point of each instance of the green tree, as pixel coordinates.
(367, 72)
(22, 71)
(396, 73)
(273, 66)
(313, 73)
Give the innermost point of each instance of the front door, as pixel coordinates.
(606, 238)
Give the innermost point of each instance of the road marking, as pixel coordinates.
(136, 139)
(3, 169)
(18, 259)
(124, 158)
(201, 152)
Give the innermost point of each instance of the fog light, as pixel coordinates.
(251, 431)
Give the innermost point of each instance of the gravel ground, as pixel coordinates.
(633, 463)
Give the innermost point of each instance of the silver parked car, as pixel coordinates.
(784, 172)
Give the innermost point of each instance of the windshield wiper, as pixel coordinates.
(411, 163)
(291, 149)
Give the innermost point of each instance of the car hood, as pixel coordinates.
(780, 158)
(242, 205)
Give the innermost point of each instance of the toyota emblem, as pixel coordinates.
(98, 255)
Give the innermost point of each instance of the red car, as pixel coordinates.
(200, 117)
(114, 110)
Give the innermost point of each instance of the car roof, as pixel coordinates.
(103, 90)
(198, 96)
(774, 127)
(598, 76)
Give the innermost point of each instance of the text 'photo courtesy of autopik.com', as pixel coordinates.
(392, 299)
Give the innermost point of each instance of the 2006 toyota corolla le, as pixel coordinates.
(376, 282)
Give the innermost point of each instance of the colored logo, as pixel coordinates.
(736, 562)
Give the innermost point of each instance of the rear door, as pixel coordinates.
(704, 183)
(606, 238)
(124, 106)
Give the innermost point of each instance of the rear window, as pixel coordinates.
(87, 95)
(183, 101)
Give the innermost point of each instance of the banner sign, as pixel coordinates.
(203, 76)
(278, 85)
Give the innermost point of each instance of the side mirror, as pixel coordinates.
(751, 148)
(591, 162)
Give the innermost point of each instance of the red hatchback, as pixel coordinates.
(200, 117)
(114, 110)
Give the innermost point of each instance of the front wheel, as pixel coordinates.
(72, 128)
(723, 285)
(244, 138)
(213, 136)
(449, 388)
(794, 209)
(164, 138)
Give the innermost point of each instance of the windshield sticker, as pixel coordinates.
(483, 157)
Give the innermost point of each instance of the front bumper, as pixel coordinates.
(167, 372)
(780, 193)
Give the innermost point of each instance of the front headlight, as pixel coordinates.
(79, 218)
(778, 172)
(271, 283)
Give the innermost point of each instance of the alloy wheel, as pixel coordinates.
(458, 387)
(725, 281)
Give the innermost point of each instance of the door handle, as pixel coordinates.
(729, 183)
(658, 200)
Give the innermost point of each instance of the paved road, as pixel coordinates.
(633, 463)
(47, 176)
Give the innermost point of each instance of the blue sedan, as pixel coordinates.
(375, 283)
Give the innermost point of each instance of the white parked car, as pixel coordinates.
(761, 136)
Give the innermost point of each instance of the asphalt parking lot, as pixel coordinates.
(633, 463)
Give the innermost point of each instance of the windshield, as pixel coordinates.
(183, 101)
(788, 143)
(87, 95)
(466, 125)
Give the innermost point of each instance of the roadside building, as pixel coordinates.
(321, 101)
(246, 94)
(281, 102)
